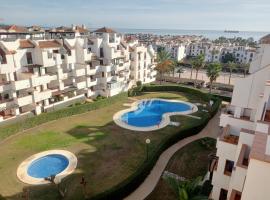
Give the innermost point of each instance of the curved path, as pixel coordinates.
(211, 130)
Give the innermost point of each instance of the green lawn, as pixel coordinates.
(190, 162)
(107, 154)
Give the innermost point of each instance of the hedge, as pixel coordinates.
(131, 183)
(31, 122)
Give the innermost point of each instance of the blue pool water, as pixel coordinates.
(48, 165)
(149, 113)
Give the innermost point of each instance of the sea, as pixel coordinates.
(210, 34)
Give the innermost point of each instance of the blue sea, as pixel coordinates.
(211, 34)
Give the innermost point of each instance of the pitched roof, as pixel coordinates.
(265, 39)
(26, 44)
(105, 30)
(14, 28)
(81, 29)
(49, 44)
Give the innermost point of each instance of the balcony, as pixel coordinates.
(80, 85)
(25, 100)
(4, 86)
(6, 103)
(79, 72)
(91, 82)
(227, 137)
(40, 96)
(41, 80)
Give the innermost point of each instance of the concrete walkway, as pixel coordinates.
(211, 130)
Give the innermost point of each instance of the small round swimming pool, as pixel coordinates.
(152, 114)
(37, 167)
(48, 165)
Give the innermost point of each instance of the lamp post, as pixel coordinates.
(147, 142)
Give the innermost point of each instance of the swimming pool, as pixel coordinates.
(46, 166)
(151, 114)
(37, 167)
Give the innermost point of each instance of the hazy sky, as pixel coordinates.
(170, 14)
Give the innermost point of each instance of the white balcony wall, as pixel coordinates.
(23, 84)
(23, 101)
(41, 80)
(40, 96)
(81, 85)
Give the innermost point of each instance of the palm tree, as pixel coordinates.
(231, 66)
(186, 189)
(164, 63)
(245, 67)
(213, 70)
(180, 70)
(173, 67)
(198, 64)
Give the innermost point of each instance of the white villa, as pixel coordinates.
(241, 169)
(42, 71)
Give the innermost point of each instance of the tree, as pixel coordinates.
(164, 63)
(198, 64)
(213, 70)
(186, 189)
(173, 66)
(180, 70)
(231, 65)
(228, 57)
(245, 68)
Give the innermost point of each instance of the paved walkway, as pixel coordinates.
(211, 130)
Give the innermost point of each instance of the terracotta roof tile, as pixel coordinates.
(49, 44)
(105, 30)
(24, 44)
(265, 39)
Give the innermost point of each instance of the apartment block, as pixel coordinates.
(242, 163)
(43, 70)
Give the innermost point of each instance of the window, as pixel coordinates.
(228, 167)
(89, 50)
(29, 58)
(101, 52)
(49, 54)
(223, 194)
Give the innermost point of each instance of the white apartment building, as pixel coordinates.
(215, 53)
(68, 65)
(178, 52)
(242, 164)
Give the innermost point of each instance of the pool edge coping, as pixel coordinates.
(23, 176)
(165, 117)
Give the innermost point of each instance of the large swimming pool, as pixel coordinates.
(47, 165)
(149, 113)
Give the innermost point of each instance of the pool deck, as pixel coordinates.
(165, 117)
(23, 167)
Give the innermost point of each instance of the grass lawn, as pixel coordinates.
(107, 154)
(190, 162)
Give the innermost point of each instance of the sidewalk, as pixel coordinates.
(211, 130)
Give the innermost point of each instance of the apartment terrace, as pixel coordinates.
(227, 137)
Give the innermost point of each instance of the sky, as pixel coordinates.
(243, 15)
